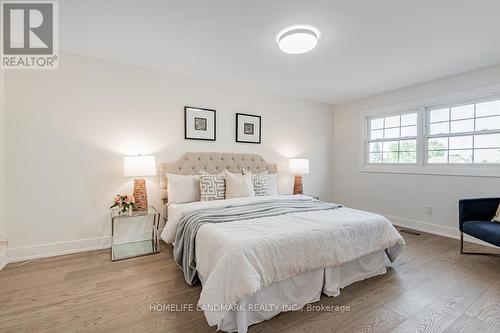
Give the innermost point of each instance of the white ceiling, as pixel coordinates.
(366, 46)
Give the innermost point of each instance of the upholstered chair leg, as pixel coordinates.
(475, 253)
(461, 242)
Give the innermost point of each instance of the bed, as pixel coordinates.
(262, 263)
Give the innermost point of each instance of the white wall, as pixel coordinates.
(68, 129)
(404, 197)
(3, 223)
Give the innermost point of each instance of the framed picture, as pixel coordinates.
(199, 124)
(248, 128)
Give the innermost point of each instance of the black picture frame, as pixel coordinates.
(238, 127)
(186, 123)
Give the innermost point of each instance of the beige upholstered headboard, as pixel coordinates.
(191, 163)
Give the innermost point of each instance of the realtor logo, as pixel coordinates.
(29, 34)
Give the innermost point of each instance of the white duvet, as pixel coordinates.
(239, 258)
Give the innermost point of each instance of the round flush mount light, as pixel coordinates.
(298, 39)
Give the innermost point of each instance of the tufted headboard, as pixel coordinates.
(191, 163)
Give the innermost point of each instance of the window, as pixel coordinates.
(456, 134)
(393, 139)
(464, 134)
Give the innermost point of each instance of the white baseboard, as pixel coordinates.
(99, 243)
(433, 229)
(57, 249)
(62, 248)
(4, 258)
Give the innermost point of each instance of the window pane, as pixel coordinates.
(488, 109)
(390, 157)
(440, 128)
(489, 123)
(463, 149)
(392, 128)
(409, 119)
(392, 121)
(408, 145)
(438, 156)
(408, 131)
(487, 156)
(375, 147)
(378, 134)
(460, 126)
(439, 115)
(460, 156)
(407, 157)
(376, 123)
(391, 133)
(375, 158)
(461, 142)
(462, 112)
(391, 146)
(487, 141)
(437, 144)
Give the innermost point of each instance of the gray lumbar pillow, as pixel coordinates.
(212, 187)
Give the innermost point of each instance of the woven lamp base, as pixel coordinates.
(140, 195)
(297, 185)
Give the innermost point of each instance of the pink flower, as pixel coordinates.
(129, 199)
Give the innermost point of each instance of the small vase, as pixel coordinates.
(123, 211)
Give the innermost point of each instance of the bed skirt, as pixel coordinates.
(295, 293)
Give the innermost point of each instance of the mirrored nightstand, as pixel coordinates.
(133, 249)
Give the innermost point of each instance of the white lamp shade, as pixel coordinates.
(298, 166)
(139, 166)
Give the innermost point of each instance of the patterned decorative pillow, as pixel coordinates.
(260, 183)
(212, 187)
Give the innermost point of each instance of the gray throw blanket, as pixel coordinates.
(184, 249)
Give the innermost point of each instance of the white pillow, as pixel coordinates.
(183, 189)
(272, 183)
(239, 186)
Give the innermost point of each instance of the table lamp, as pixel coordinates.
(298, 167)
(139, 166)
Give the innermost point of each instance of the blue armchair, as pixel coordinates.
(474, 220)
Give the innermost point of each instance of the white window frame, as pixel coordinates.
(422, 108)
(368, 140)
(430, 108)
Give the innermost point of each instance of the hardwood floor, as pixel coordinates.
(431, 288)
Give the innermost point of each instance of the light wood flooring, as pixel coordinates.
(431, 288)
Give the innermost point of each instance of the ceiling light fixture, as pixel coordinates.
(298, 39)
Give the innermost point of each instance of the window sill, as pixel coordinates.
(444, 170)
